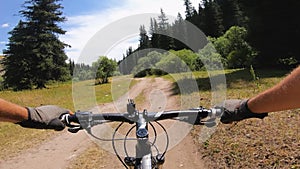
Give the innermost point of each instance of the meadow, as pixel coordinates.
(15, 139)
(271, 143)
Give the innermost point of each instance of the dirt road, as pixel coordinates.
(59, 151)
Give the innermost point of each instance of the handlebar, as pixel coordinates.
(86, 120)
(144, 157)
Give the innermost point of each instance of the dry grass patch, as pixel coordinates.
(272, 143)
(92, 158)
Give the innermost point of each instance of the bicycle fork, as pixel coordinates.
(143, 159)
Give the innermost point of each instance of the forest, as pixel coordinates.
(237, 34)
(261, 33)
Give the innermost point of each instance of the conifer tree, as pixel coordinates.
(144, 39)
(189, 9)
(35, 54)
(213, 19)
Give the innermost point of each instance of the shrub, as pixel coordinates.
(234, 48)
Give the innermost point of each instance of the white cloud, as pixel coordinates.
(5, 25)
(3, 42)
(82, 28)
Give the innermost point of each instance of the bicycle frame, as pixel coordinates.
(143, 159)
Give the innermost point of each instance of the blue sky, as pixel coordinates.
(86, 17)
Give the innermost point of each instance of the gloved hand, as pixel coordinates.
(45, 117)
(237, 110)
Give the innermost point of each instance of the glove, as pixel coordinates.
(237, 110)
(45, 117)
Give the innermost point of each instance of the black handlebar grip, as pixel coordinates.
(73, 118)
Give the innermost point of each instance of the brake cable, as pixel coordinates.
(114, 147)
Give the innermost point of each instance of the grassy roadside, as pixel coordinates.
(92, 158)
(15, 139)
(271, 143)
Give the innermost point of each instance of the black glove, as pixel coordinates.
(237, 110)
(45, 117)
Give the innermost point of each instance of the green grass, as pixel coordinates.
(87, 95)
(273, 143)
(12, 142)
(14, 138)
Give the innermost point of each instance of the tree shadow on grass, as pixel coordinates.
(186, 85)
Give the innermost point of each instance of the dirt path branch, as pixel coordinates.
(61, 150)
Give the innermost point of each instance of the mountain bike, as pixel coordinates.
(141, 121)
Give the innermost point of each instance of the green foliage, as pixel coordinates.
(263, 20)
(147, 65)
(35, 55)
(156, 63)
(179, 30)
(254, 76)
(100, 70)
(188, 9)
(82, 72)
(171, 63)
(104, 69)
(161, 29)
(213, 19)
(234, 47)
(288, 62)
(233, 14)
(187, 56)
(273, 30)
(144, 39)
(209, 59)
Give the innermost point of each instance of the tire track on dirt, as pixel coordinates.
(159, 96)
(59, 152)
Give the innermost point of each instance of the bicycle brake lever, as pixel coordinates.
(209, 122)
(73, 128)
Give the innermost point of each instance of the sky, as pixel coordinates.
(87, 17)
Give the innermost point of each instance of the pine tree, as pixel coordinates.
(273, 30)
(35, 42)
(154, 33)
(16, 67)
(200, 20)
(232, 13)
(71, 66)
(213, 19)
(189, 9)
(179, 31)
(165, 41)
(144, 39)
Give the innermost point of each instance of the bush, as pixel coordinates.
(187, 56)
(104, 69)
(147, 64)
(234, 48)
(171, 63)
(210, 59)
